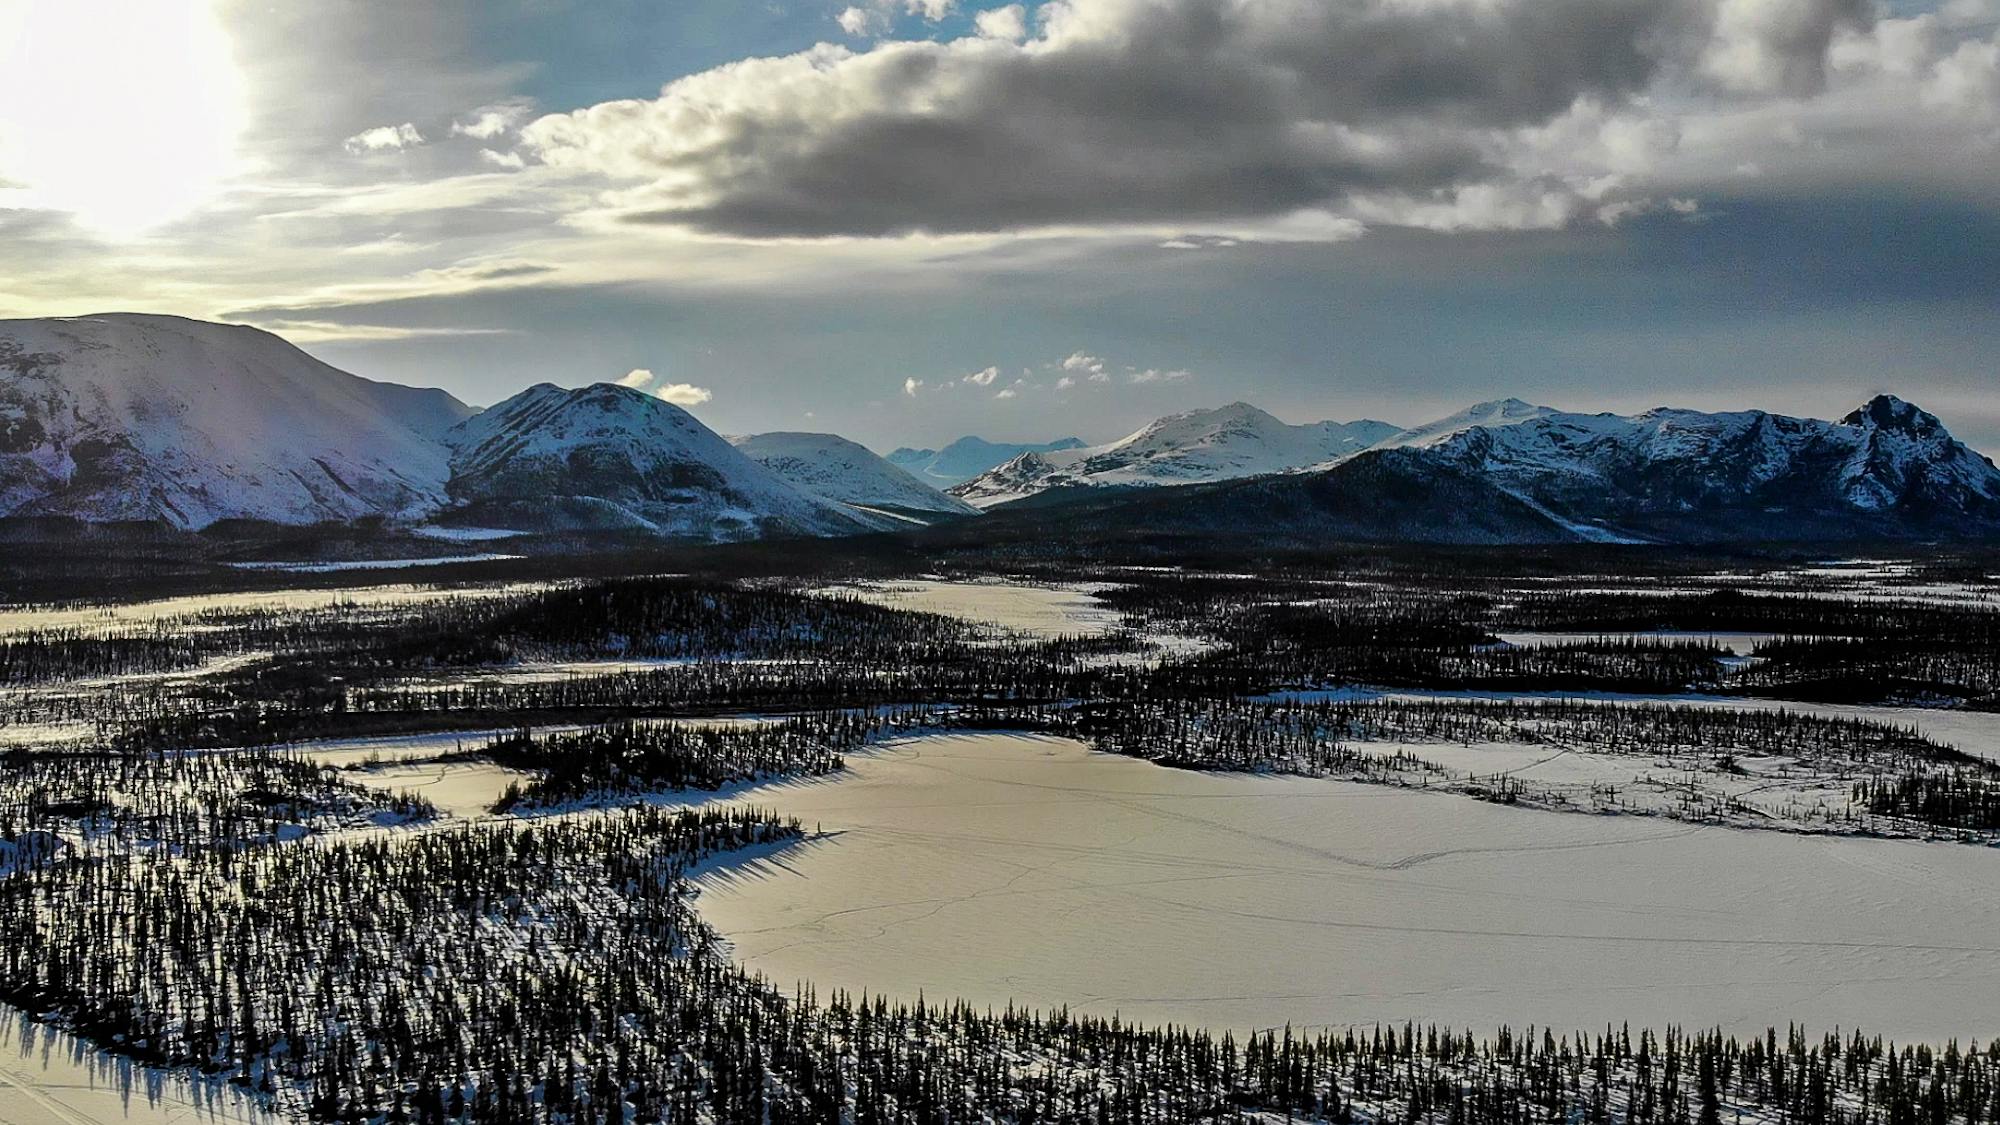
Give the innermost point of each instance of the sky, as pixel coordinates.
(907, 220)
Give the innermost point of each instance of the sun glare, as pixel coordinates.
(124, 113)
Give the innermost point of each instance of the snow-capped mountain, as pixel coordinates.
(834, 468)
(606, 456)
(1511, 472)
(1196, 447)
(153, 418)
(967, 458)
(139, 417)
(1667, 472)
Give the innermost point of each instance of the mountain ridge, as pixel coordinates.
(1887, 470)
(845, 472)
(968, 457)
(1191, 447)
(608, 457)
(132, 416)
(137, 418)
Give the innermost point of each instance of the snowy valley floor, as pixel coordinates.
(1003, 867)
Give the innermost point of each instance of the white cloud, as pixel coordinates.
(876, 17)
(1006, 392)
(1968, 80)
(983, 378)
(1321, 117)
(685, 394)
(1065, 383)
(328, 331)
(912, 386)
(1155, 375)
(488, 122)
(508, 160)
(860, 22)
(1009, 23)
(638, 379)
(384, 138)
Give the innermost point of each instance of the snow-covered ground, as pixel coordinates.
(1974, 732)
(999, 867)
(114, 618)
(465, 790)
(48, 1077)
(1042, 611)
(307, 567)
(464, 534)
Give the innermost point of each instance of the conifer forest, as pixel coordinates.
(438, 853)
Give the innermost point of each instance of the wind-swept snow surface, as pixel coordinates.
(1004, 867)
(131, 417)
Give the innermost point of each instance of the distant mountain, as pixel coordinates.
(609, 457)
(137, 417)
(834, 468)
(1886, 468)
(1197, 447)
(967, 458)
(1512, 472)
(183, 424)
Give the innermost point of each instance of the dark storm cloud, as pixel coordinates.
(1164, 111)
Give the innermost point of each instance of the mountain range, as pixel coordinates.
(1199, 446)
(1512, 472)
(967, 458)
(149, 418)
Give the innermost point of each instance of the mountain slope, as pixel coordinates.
(833, 468)
(139, 417)
(1397, 497)
(1511, 473)
(1200, 446)
(609, 457)
(1886, 468)
(967, 458)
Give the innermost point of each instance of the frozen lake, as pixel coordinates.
(998, 867)
(1040, 611)
(122, 616)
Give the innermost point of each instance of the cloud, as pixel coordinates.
(685, 394)
(327, 331)
(860, 22)
(384, 138)
(1009, 23)
(680, 394)
(878, 16)
(489, 122)
(1214, 115)
(1077, 369)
